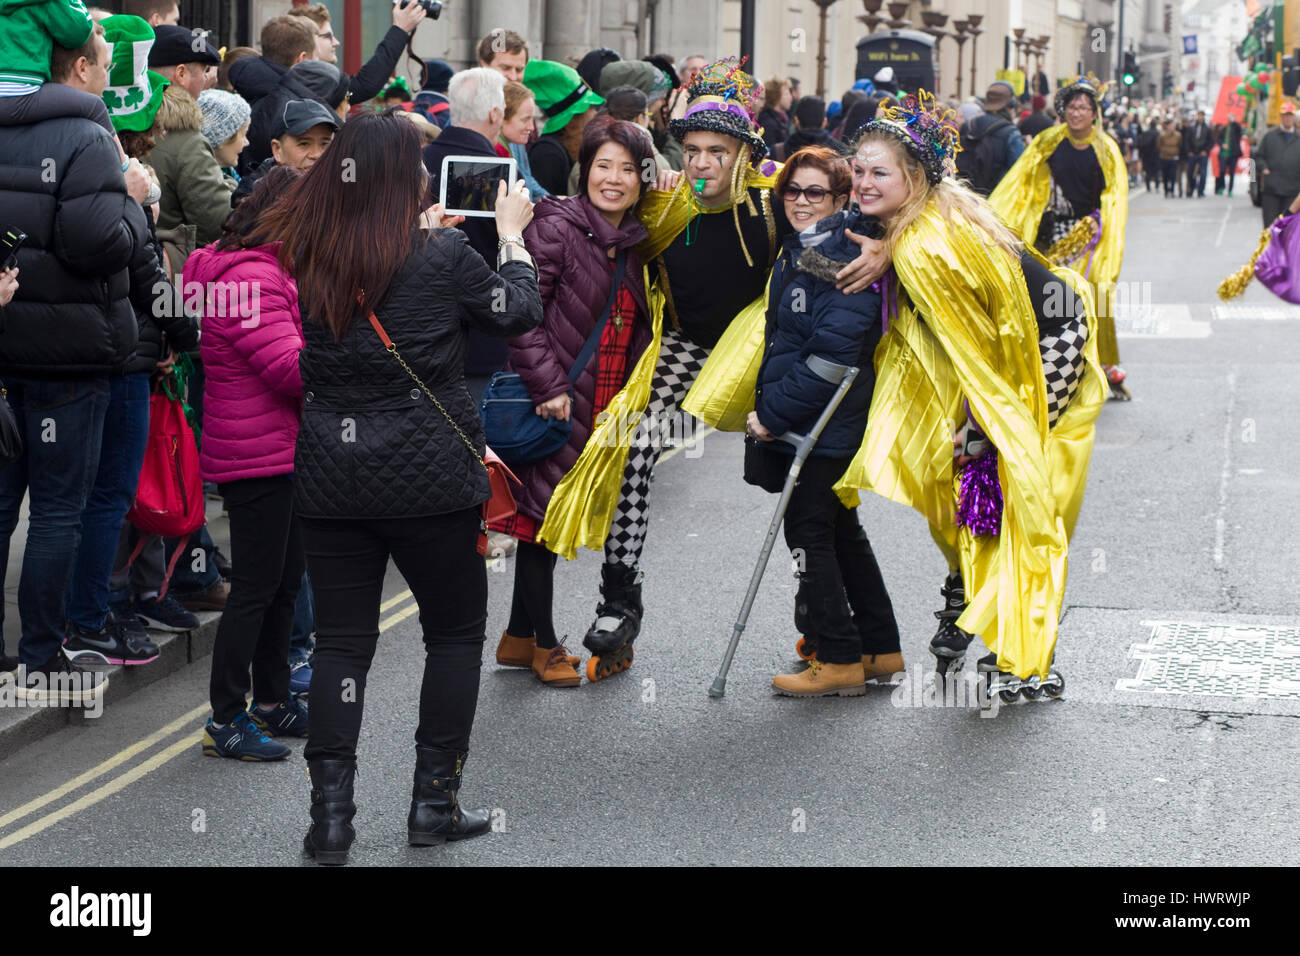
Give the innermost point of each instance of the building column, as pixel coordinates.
(569, 33)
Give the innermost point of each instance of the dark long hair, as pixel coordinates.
(246, 217)
(346, 224)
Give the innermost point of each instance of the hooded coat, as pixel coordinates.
(71, 315)
(568, 238)
(807, 315)
(267, 86)
(194, 191)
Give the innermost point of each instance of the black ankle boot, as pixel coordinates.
(436, 816)
(331, 833)
(619, 614)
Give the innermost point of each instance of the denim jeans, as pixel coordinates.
(126, 431)
(61, 422)
(304, 625)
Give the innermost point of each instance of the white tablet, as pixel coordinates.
(468, 184)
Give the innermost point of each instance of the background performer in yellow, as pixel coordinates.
(1067, 196)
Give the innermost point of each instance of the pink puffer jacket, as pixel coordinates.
(252, 395)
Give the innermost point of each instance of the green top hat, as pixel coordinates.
(560, 92)
(134, 92)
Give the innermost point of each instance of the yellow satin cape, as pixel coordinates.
(966, 331)
(1021, 198)
(582, 506)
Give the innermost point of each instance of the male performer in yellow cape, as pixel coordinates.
(1070, 184)
(712, 241)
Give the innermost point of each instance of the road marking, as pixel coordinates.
(163, 757)
(1222, 226)
(102, 793)
(1220, 520)
(141, 770)
(98, 771)
(699, 437)
(393, 601)
(401, 615)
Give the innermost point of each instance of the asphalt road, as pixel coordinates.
(1176, 742)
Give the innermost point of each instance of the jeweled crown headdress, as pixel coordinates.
(928, 131)
(1087, 83)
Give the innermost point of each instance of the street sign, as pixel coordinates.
(1189, 45)
(909, 52)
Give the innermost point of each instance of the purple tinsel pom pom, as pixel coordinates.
(979, 507)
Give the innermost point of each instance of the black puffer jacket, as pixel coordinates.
(371, 444)
(61, 183)
(159, 310)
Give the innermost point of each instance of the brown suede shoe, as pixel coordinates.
(554, 667)
(213, 599)
(823, 680)
(882, 667)
(516, 651)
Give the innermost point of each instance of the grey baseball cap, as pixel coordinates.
(298, 116)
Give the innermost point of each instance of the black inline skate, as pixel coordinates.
(1010, 687)
(618, 621)
(950, 642)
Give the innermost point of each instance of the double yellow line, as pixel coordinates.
(405, 606)
(145, 767)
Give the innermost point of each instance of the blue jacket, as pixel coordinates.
(807, 315)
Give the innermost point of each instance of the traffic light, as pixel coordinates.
(1129, 72)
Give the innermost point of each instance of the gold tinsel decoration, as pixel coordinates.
(1236, 283)
(1068, 248)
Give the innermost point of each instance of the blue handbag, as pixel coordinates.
(510, 423)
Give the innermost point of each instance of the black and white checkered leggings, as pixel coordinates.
(1063, 364)
(680, 361)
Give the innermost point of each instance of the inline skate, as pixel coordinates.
(1010, 687)
(950, 642)
(617, 624)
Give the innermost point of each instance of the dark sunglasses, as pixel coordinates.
(814, 194)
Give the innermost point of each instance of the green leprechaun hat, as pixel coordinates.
(134, 92)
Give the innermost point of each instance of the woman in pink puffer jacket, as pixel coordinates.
(252, 334)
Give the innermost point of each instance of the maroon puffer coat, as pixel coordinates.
(568, 239)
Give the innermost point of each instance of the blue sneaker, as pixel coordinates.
(241, 739)
(288, 719)
(300, 678)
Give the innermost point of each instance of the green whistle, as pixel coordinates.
(699, 185)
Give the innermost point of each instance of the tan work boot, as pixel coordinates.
(516, 651)
(554, 667)
(823, 680)
(882, 667)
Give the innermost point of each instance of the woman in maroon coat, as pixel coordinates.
(574, 242)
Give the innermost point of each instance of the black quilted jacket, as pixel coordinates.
(371, 444)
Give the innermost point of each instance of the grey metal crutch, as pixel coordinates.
(843, 376)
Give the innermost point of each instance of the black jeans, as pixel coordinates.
(438, 557)
(835, 561)
(266, 554)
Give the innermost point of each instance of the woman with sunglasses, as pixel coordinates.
(842, 607)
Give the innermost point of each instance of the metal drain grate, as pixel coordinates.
(1220, 660)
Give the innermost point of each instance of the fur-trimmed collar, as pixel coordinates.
(179, 111)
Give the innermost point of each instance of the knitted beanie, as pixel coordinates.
(223, 114)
